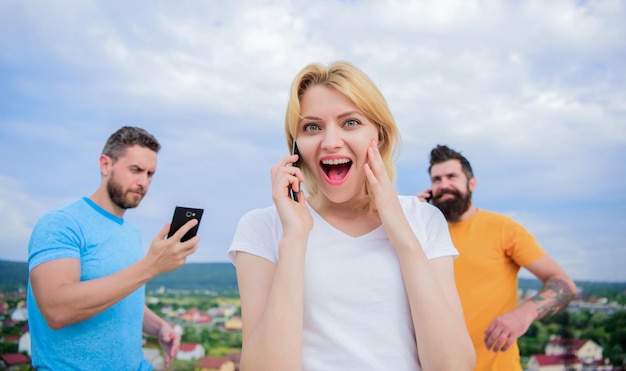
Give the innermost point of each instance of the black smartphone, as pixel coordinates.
(294, 151)
(181, 216)
(430, 196)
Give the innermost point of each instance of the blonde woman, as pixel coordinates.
(350, 276)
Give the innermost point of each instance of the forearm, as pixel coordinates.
(553, 297)
(276, 342)
(72, 302)
(152, 323)
(441, 334)
(440, 331)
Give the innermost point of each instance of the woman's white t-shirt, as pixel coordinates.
(356, 311)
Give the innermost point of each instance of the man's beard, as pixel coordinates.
(118, 195)
(453, 208)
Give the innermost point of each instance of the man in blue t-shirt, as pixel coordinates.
(86, 293)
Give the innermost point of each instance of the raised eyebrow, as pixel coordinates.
(310, 118)
(351, 113)
(345, 114)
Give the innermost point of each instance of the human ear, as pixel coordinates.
(105, 164)
(472, 184)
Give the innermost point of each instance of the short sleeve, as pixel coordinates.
(439, 243)
(524, 248)
(56, 235)
(430, 227)
(257, 233)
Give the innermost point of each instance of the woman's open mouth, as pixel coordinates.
(336, 170)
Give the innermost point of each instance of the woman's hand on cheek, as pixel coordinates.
(378, 178)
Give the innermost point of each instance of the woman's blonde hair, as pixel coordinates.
(357, 87)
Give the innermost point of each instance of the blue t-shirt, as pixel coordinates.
(105, 244)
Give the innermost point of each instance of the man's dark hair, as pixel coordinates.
(128, 136)
(441, 154)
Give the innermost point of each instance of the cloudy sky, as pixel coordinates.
(532, 92)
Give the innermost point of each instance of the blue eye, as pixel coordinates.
(351, 123)
(311, 127)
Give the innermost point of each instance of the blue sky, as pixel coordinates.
(532, 92)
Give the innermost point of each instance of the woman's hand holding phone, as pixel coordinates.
(286, 181)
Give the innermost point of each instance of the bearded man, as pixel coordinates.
(492, 249)
(87, 269)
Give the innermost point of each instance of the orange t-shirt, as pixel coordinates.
(492, 249)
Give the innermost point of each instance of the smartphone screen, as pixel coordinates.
(181, 216)
(294, 151)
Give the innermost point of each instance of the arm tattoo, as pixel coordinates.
(553, 297)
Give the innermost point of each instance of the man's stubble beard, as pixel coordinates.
(455, 207)
(118, 195)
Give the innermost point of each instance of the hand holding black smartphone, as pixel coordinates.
(294, 151)
(181, 216)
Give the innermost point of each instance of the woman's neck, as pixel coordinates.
(352, 217)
